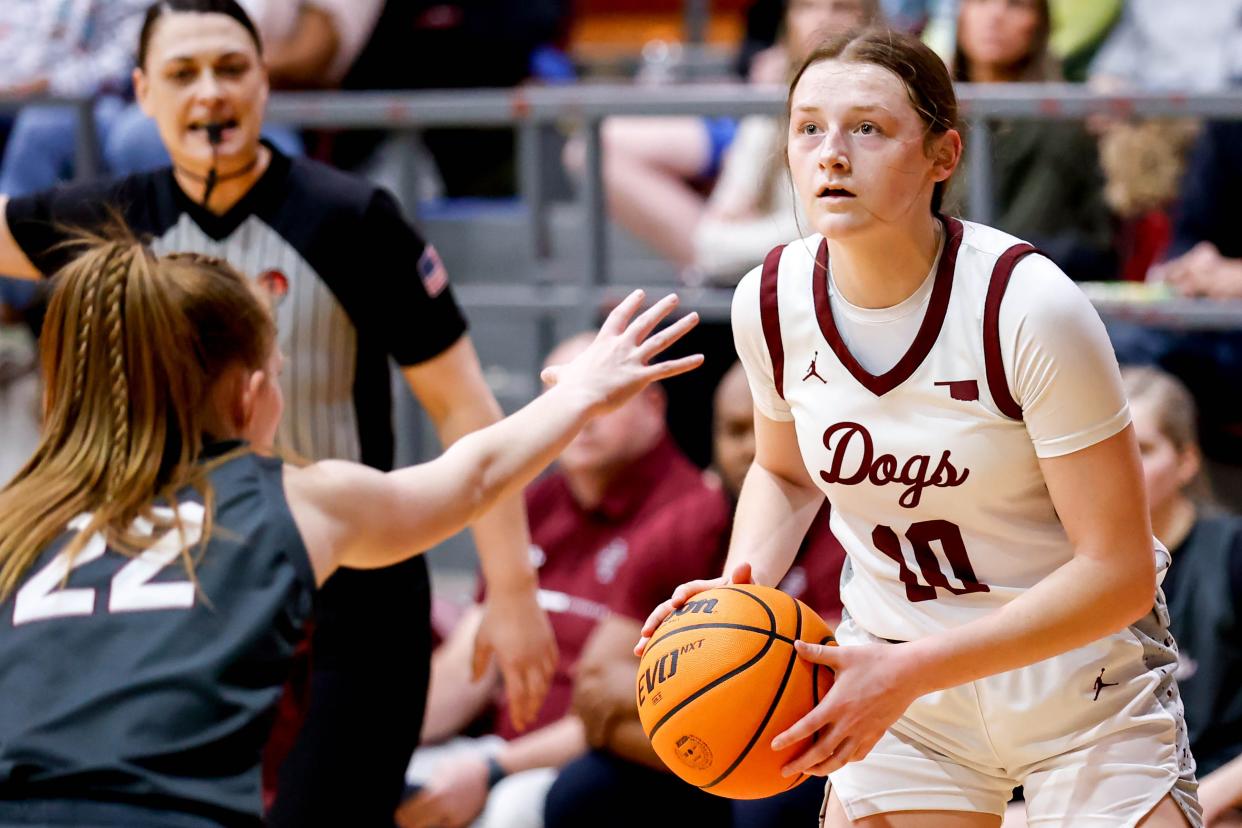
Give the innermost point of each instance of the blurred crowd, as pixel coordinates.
(1116, 198)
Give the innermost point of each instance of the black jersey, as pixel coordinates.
(362, 283)
(127, 687)
(1204, 592)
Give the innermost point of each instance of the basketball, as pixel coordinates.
(721, 678)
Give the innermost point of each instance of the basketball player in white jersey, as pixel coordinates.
(956, 398)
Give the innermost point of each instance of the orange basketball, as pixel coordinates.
(720, 678)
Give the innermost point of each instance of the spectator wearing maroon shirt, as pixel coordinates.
(598, 788)
(590, 522)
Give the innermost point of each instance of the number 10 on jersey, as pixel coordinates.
(921, 535)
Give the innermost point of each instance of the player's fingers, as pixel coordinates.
(837, 760)
(673, 367)
(818, 752)
(656, 618)
(537, 690)
(519, 697)
(647, 321)
(831, 656)
(865, 746)
(550, 375)
(804, 728)
(481, 658)
(690, 589)
(619, 318)
(658, 342)
(741, 574)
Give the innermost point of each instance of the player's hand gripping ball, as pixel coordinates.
(720, 678)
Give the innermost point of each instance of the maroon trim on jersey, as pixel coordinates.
(929, 331)
(994, 366)
(769, 314)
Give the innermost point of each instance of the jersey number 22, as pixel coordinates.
(46, 595)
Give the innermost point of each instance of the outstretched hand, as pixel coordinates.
(616, 366)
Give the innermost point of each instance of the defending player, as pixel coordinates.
(966, 420)
(155, 570)
(363, 289)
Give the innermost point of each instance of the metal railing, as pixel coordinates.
(529, 110)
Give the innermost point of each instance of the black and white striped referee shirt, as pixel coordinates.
(362, 283)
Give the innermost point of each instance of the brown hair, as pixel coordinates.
(922, 71)
(1038, 64)
(230, 8)
(1176, 415)
(132, 348)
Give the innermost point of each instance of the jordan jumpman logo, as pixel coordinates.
(1100, 684)
(812, 372)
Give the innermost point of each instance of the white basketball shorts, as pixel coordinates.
(1095, 737)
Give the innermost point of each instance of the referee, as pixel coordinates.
(360, 286)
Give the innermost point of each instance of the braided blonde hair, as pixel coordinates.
(132, 348)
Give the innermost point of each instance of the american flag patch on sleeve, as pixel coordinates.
(431, 271)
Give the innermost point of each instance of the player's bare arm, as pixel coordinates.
(358, 517)
(452, 391)
(775, 508)
(13, 261)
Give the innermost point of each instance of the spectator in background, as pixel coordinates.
(1144, 163)
(597, 788)
(459, 44)
(68, 49)
(1047, 186)
(1207, 247)
(1203, 586)
(1078, 29)
(651, 165)
(591, 522)
(1206, 260)
(307, 44)
(1176, 47)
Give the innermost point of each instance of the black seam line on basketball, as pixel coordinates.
(723, 625)
(755, 659)
(767, 717)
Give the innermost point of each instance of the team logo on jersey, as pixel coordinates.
(275, 286)
(884, 469)
(964, 390)
(608, 560)
(536, 555)
(1100, 684)
(431, 270)
(812, 371)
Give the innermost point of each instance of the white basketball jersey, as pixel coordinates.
(936, 491)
